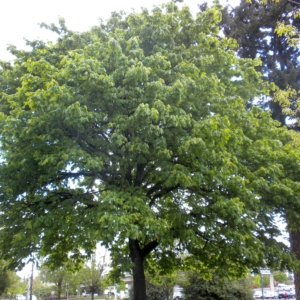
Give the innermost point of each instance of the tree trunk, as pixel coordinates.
(137, 256)
(295, 246)
(59, 286)
(139, 283)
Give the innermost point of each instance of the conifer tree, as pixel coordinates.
(253, 25)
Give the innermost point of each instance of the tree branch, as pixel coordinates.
(149, 247)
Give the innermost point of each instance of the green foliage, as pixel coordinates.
(90, 277)
(266, 29)
(280, 277)
(162, 286)
(45, 292)
(59, 277)
(74, 282)
(137, 132)
(154, 292)
(280, 62)
(198, 288)
(4, 279)
(16, 285)
(10, 282)
(259, 279)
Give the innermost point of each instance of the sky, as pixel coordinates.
(19, 19)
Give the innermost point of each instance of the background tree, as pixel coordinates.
(56, 276)
(154, 291)
(135, 134)
(90, 276)
(254, 25)
(4, 279)
(280, 277)
(16, 284)
(37, 286)
(290, 30)
(215, 288)
(74, 281)
(261, 279)
(161, 286)
(45, 291)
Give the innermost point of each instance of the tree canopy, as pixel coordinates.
(136, 134)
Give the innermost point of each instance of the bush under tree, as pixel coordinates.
(216, 288)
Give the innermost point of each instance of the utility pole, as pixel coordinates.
(262, 286)
(67, 290)
(28, 289)
(272, 289)
(31, 282)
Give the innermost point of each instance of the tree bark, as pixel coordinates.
(137, 256)
(59, 288)
(295, 246)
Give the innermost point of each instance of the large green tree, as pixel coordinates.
(135, 134)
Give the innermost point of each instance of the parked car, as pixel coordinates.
(257, 295)
(286, 294)
(282, 286)
(178, 293)
(267, 295)
(22, 297)
(270, 295)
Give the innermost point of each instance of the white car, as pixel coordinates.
(22, 297)
(267, 295)
(178, 293)
(257, 295)
(270, 295)
(282, 286)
